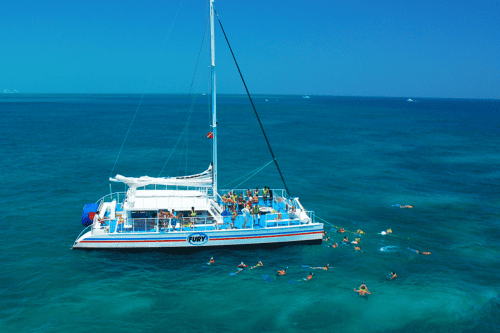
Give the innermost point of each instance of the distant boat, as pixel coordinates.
(410, 100)
(306, 96)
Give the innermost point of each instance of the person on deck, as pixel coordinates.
(192, 214)
(291, 212)
(256, 213)
(265, 193)
(233, 218)
(270, 196)
(241, 203)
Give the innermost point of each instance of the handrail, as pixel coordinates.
(81, 233)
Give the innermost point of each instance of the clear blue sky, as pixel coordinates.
(357, 48)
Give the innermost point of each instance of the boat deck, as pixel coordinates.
(242, 221)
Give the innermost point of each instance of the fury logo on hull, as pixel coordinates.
(197, 239)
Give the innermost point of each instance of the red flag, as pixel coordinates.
(210, 135)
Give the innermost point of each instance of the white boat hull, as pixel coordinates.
(202, 239)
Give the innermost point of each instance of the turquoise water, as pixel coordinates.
(349, 159)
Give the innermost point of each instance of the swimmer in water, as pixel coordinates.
(323, 268)
(334, 245)
(341, 230)
(326, 239)
(389, 231)
(357, 248)
(282, 272)
(363, 290)
(345, 240)
(309, 277)
(211, 261)
(240, 267)
(420, 252)
(360, 232)
(259, 264)
(392, 276)
(356, 241)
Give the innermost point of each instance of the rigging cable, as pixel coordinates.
(254, 172)
(253, 106)
(144, 92)
(186, 127)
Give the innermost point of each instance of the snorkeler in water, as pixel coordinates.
(240, 267)
(326, 239)
(392, 276)
(259, 264)
(420, 252)
(357, 248)
(211, 261)
(334, 245)
(341, 230)
(356, 241)
(323, 268)
(345, 240)
(360, 232)
(309, 277)
(363, 290)
(282, 272)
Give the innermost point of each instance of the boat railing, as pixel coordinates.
(118, 196)
(153, 224)
(81, 233)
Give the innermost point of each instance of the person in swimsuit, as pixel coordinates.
(309, 277)
(240, 267)
(211, 261)
(334, 245)
(341, 230)
(282, 272)
(363, 290)
(360, 232)
(392, 276)
(420, 252)
(345, 240)
(259, 264)
(323, 268)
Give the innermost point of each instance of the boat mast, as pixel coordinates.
(214, 105)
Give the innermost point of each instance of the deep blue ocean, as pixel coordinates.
(349, 159)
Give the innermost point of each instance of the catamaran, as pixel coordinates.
(191, 212)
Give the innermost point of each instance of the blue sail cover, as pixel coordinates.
(86, 216)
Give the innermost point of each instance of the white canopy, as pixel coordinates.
(203, 179)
